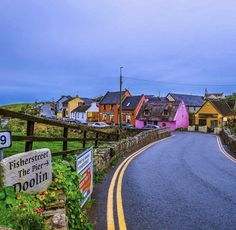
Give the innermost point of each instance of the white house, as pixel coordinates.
(86, 113)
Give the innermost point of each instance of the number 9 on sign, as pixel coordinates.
(5, 140)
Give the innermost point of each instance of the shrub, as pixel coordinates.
(18, 211)
(68, 181)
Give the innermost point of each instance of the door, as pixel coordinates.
(214, 124)
(202, 122)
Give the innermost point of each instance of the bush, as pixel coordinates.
(67, 181)
(18, 211)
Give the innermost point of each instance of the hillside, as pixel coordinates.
(17, 107)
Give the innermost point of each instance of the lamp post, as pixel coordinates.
(121, 97)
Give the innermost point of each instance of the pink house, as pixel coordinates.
(163, 113)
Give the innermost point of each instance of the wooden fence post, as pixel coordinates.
(84, 139)
(30, 132)
(65, 135)
(96, 140)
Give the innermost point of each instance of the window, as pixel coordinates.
(104, 107)
(112, 118)
(104, 117)
(124, 118)
(112, 107)
(128, 119)
(146, 112)
(83, 115)
(165, 112)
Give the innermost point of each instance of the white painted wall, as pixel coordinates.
(83, 116)
(93, 108)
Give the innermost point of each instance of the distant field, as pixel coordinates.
(17, 107)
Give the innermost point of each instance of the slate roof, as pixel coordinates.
(214, 94)
(222, 107)
(81, 109)
(68, 97)
(87, 101)
(149, 96)
(65, 102)
(189, 100)
(156, 111)
(111, 98)
(131, 102)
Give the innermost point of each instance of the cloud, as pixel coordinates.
(59, 47)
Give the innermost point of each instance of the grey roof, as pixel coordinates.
(131, 102)
(81, 109)
(158, 99)
(189, 100)
(149, 96)
(65, 98)
(111, 98)
(222, 107)
(87, 101)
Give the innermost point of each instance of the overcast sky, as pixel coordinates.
(53, 47)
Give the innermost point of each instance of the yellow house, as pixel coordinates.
(71, 104)
(213, 113)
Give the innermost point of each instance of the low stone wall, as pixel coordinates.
(229, 139)
(103, 157)
(202, 129)
(191, 128)
(217, 130)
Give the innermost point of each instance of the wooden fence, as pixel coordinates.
(110, 133)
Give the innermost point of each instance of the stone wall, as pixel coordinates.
(104, 156)
(229, 139)
(191, 128)
(202, 129)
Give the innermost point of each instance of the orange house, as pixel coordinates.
(109, 106)
(130, 108)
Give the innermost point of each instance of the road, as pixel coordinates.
(184, 182)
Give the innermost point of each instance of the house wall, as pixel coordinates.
(108, 111)
(170, 124)
(208, 108)
(93, 108)
(46, 111)
(73, 104)
(59, 104)
(193, 109)
(133, 113)
(92, 112)
(182, 116)
(139, 124)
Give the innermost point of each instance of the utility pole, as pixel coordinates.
(121, 97)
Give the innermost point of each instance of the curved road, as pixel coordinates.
(184, 182)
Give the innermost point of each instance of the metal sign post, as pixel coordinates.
(5, 142)
(1, 154)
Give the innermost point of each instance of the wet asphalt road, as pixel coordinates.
(184, 182)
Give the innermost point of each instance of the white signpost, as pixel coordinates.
(5, 141)
(28, 172)
(84, 166)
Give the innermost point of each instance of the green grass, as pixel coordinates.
(16, 107)
(19, 147)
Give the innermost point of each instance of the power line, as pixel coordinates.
(182, 84)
